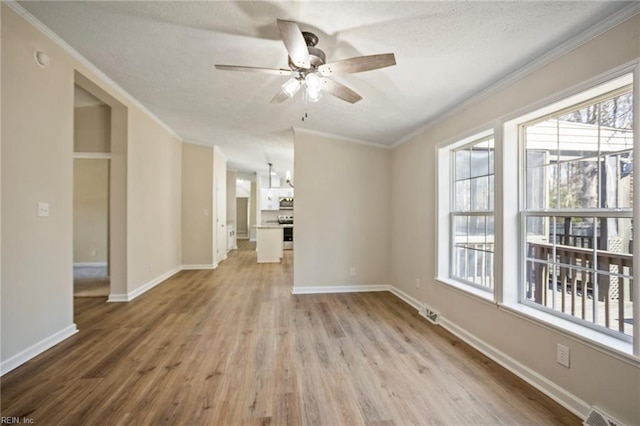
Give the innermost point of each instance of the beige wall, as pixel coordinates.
(597, 379)
(153, 200)
(92, 129)
(197, 205)
(37, 166)
(90, 210)
(204, 206)
(242, 222)
(341, 212)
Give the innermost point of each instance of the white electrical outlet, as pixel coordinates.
(352, 271)
(417, 282)
(43, 209)
(562, 355)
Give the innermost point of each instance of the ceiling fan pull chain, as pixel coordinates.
(305, 104)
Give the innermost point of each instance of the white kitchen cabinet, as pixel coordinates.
(274, 202)
(269, 204)
(231, 242)
(286, 192)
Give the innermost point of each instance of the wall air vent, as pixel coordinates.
(598, 418)
(431, 315)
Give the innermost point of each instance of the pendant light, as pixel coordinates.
(269, 193)
(288, 178)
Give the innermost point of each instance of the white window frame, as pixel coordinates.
(598, 213)
(444, 226)
(453, 212)
(510, 220)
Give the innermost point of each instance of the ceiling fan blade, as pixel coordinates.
(271, 71)
(280, 97)
(294, 42)
(358, 64)
(340, 91)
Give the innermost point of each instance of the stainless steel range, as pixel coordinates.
(287, 231)
(285, 220)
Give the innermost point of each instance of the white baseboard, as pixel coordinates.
(195, 267)
(118, 297)
(143, 288)
(544, 385)
(36, 349)
(90, 264)
(409, 300)
(340, 289)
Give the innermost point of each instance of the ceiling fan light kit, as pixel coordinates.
(291, 86)
(308, 67)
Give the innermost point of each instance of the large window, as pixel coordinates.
(472, 218)
(577, 212)
(536, 214)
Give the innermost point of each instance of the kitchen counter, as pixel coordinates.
(269, 243)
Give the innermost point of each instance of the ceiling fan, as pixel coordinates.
(307, 67)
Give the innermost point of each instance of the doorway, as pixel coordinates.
(90, 227)
(242, 215)
(100, 142)
(91, 147)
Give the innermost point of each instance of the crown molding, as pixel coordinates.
(199, 143)
(37, 24)
(207, 145)
(339, 137)
(601, 27)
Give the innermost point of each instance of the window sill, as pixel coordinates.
(468, 290)
(601, 342)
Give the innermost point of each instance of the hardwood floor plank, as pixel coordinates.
(233, 346)
(331, 325)
(287, 409)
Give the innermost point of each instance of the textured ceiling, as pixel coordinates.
(163, 54)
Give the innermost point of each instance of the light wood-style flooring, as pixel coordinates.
(90, 281)
(232, 346)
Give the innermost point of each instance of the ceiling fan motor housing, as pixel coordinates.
(316, 56)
